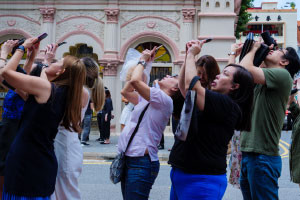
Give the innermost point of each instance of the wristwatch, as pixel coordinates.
(21, 47)
(143, 63)
(232, 53)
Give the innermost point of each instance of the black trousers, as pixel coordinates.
(100, 126)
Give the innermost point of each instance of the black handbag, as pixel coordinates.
(186, 116)
(118, 164)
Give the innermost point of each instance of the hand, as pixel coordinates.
(194, 47)
(237, 48)
(146, 55)
(32, 51)
(29, 42)
(50, 53)
(105, 118)
(297, 83)
(256, 45)
(7, 47)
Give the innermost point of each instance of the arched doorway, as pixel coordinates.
(162, 64)
(81, 50)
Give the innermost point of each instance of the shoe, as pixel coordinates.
(160, 147)
(106, 142)
(84, 144)
(98, 140)
(102, 142)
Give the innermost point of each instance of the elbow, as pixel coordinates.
(135, 83)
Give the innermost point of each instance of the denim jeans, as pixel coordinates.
(186, 186)
(86, 127)
(140, 174)
(259, 176)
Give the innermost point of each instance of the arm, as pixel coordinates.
(137, 75)
(181, 78)
(31, 54)
(191, 72)
(236, 50)
(247, 62)
(5, 50)
(36, 86)
(129, 93)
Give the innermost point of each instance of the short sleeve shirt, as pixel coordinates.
(270, 102)
(204, 151)
(151, 127)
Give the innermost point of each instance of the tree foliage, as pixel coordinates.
(244, 17)
(293, 5)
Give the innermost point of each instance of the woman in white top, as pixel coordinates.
(67, 145)
(142, 163)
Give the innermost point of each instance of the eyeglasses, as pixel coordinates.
(281, 50)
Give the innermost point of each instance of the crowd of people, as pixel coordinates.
(49, 106)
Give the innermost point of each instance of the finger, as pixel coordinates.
(271, 47)
(259, 39)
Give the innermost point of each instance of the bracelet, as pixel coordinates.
(3, 59)
(21, 47)
(232, 53)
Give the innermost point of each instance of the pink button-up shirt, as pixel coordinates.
(152, 125)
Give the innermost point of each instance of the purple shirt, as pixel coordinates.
(152, 125)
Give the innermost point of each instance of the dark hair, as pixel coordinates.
(243, 96)
(178, 101)
(107, 93)
(211, 67)
(294, 62)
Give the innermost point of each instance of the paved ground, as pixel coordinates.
(95, 184)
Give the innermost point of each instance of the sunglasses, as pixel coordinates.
(281, 50)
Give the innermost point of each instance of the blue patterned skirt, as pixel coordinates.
(7, 196)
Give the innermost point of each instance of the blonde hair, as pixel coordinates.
(74, 78)
(94, 82)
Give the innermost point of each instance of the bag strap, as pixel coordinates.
(193, 82)
(137, 126)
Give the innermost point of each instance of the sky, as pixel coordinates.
(281, 3)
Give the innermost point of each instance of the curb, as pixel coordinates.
(111, 156)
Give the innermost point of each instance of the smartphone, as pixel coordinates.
(207, 40)
(20, 42)
(158, 48)
(41, 37)
(61, 43)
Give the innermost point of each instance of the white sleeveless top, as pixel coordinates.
(69, 156)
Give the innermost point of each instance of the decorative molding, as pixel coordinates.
(48, 13)
(188, 14)
(150, 17)
(78, 32)
(23, 17)
(112, 14)
(110, 67)
(151, 24)
(80, 27)
(153, 34)
(219, 37)
(11, 22)
(200, 14)
(15, 31)
(80, 17)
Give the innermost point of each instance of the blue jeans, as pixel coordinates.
(259, 176)
(140, 174)
(186, 186)
(86, 127)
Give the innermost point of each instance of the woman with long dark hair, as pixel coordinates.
(106, 118)
(31, 165)
(199, 163)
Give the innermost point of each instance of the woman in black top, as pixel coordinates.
(199, 163)
(31, 165)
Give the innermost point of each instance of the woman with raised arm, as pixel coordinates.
(142, 163)
(31, 165)
(199, 163)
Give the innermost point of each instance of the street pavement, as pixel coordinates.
(95, 184)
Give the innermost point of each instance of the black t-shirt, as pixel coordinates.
(204, 151)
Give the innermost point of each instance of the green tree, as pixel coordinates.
(244, 17)
(293, 5)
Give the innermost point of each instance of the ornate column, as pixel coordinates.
(48, 14)
(187, 28)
